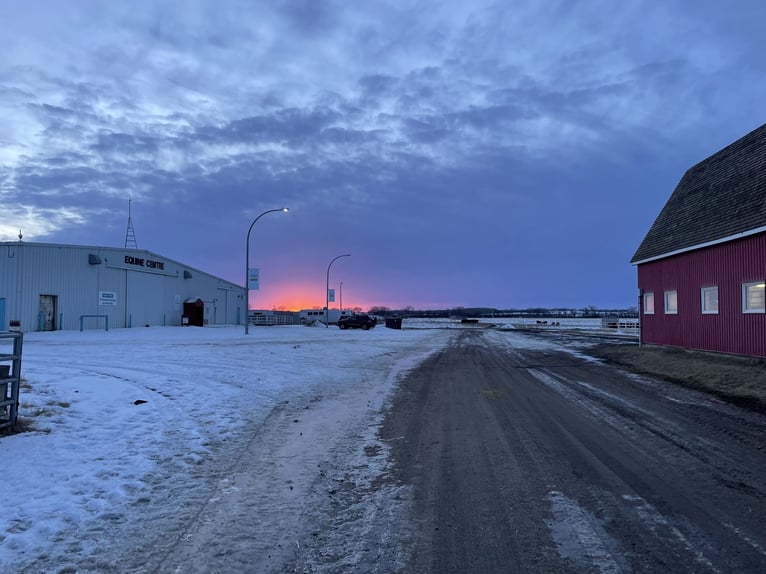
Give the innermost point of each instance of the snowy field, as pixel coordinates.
(502, 322)
(630, 326)
(131, 426)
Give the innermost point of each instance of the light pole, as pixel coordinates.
(341, 297)
(327, 291)
(247, 267)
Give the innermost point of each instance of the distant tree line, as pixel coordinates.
(482, 312)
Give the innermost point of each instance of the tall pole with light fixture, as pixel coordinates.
(247, 267)
(327, 291)
(341, 297)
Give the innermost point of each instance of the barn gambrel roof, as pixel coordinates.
(720, 199)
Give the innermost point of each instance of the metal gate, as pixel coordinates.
(10, 377)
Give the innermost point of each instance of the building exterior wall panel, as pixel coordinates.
(145, 288)
(726, 266)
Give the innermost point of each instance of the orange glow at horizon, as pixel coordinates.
(294, 297)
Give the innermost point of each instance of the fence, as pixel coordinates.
(270, 318)
(621, 324)
(10, 377)
(104, 317)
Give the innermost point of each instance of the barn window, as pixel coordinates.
(671, 302)
(710, 300)
(649, 303)
(753, 297)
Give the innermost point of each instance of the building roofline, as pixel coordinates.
(734, 237)
(718, 199)
(126, 249)
(18, 243)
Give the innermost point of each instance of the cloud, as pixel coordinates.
(426, 133)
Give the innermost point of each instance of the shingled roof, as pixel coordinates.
(721, 197)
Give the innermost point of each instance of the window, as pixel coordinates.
(649, 303)
(753, 297)
(709, 300)
(671, 302)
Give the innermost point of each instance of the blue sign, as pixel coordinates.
(252, 279)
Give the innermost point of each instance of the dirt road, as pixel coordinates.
(481, 451)
(527, 459)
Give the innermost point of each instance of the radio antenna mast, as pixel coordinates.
(130, 235)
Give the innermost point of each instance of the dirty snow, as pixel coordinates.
(142, 438)
(204, 449)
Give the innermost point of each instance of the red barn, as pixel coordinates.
(702, 265)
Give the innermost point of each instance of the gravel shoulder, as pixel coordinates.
(740, 380)
(732, 378)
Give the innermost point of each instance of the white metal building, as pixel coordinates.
(49, 286)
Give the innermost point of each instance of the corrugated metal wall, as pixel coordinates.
(727, 266)
(146, 289)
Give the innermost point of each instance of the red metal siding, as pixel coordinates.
(727, 266)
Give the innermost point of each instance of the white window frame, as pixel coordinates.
(668, 310)
(703, 291)
(745, 299)
(648, 296)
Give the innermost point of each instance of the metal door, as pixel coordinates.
(47, 312)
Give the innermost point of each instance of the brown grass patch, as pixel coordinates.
(741, 380)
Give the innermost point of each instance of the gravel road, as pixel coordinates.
(526, 459)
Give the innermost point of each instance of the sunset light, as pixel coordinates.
(297, 296)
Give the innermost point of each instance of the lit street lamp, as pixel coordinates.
(327, 291)
(247, 267)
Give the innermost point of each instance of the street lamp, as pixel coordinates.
(341, 297)
(247, 267)
(327, 291)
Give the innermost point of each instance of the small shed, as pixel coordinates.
(702, 265)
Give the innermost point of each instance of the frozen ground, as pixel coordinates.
(136, 432)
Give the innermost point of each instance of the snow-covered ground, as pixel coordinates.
(569, 323)
(132, 430)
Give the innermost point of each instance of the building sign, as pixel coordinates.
(331, 295)
(107, 298)
(141, 262)
(253, 279)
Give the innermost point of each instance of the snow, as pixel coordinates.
(146, 446)
(152, 426)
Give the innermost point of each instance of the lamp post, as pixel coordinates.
(341, 297)
(327, 291)
(247, 267)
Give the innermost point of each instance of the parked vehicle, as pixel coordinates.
(310, 316)
(357, 322)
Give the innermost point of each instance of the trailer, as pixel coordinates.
(313, 316)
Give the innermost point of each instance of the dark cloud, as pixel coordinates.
(284, 125)
(125, 144)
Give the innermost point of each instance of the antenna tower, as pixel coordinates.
(130, 235)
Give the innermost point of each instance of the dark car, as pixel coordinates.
(356, 322)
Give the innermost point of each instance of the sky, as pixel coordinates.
(498, 154)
